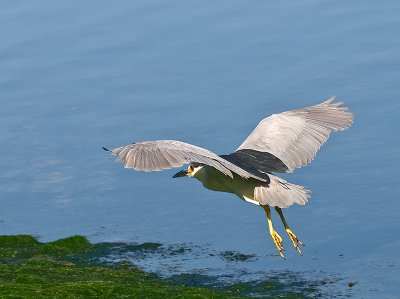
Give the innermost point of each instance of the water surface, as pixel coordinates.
(75, 76)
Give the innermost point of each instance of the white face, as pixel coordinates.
(192, 170)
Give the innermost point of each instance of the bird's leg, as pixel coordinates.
(292, 236)
(275, 236)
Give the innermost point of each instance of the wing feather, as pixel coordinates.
(295, 136)
(165, 154)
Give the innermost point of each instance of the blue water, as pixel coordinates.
(75, 76)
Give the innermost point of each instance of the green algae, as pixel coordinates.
(72, 268)
(65, 268)
(236, 256)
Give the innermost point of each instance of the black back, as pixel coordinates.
(255, 162)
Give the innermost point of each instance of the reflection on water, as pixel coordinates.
(75, 78)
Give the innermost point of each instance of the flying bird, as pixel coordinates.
(280, 143)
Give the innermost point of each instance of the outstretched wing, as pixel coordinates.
(295, 136)
(165, 154)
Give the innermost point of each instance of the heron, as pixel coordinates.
(280, 143)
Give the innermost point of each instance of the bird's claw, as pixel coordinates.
(278, 242)
(295, 240)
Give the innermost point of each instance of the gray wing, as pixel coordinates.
(296, 136)
(165, 154)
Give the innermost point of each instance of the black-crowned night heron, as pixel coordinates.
(280, 143)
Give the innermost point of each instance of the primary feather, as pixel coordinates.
(295, 136)
(165, 154)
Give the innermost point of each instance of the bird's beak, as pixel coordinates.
(180, 174)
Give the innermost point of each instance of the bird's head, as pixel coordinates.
(192, 169)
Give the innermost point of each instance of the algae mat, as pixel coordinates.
(75, 268)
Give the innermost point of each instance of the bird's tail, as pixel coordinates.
(281, 194)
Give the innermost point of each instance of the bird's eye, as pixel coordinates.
(191, 168)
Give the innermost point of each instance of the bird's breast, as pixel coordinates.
(215, 180)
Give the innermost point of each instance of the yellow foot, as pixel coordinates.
(278, 242)
(295, 240)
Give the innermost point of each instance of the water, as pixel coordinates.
(75, 76)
